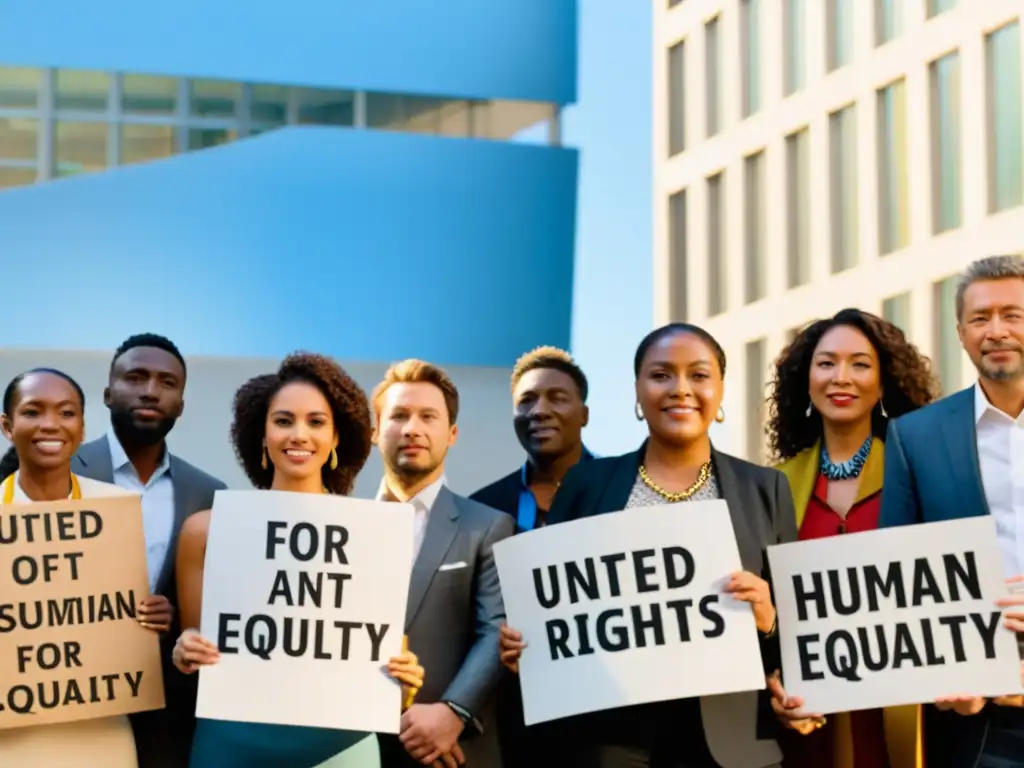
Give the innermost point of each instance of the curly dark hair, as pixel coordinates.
(349, 407)
(906, 378)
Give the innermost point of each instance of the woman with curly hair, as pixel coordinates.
(834, 389)
(304, 429)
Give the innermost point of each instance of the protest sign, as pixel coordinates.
(628, 608)
(305, 596)
(73, 573)
(897, 616)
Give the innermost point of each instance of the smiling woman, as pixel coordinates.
(43, 418)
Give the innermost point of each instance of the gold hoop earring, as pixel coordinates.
(334, 459)
(263, 458)
(639, 414)
(721, 415)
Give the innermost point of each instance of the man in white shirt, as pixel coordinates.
(145, 395)
(455, 608)
(961, 457)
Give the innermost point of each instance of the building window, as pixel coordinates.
(16, 176)
(754, 234)
(204, 138)
(750, 53)
(677, 98)
(214, 98)
(149, 95)
(756, 363)
(896, 309)
(717, 293)
(1006, 138)
(677, 255)
(81, 91)
(712, 72)
(140, 143)
(798, 208)
(948, 355)
(839, 33)
(80, 147)
(19, 138)
(19, 87)
(322, 107)
(794, 48)
(893, 182)
(935, 7)
(944, 75)
(268, 105)
(843, 206)
(888, 20)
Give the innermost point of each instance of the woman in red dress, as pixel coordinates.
(834, 389)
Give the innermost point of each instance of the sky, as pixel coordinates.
(611, 126)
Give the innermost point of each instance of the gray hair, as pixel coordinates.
(989, 268)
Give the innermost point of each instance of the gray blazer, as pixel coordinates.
(454, 612)
(193, 492)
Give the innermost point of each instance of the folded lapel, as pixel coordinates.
(442, 525)
(802, 472)
(740, 505)
(962, 448)
(95, 456)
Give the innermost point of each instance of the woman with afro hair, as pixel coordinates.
(304, 429)
(834, 389)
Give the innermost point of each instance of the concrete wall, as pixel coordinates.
(486, 449)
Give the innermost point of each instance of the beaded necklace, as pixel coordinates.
(850, 468)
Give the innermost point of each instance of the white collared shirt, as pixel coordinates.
(157, 504)
(1001, 460)
(422, 503)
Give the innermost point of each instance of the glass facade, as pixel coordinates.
(946, 149)
(843, 186)
(888, 20)
(750, 52)
(893, 181)
(1006, 146)
(61, 122)
(794, 33)
(839, 26)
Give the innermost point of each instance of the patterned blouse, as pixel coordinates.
(643, 496)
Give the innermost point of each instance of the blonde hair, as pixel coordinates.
(414, 371)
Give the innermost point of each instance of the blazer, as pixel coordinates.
(740, 728)
(163, 737)
(902, 724)
(932, 473)
(454, 614)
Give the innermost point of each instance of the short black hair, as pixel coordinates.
(149, 340)
(551, 358)
(672, 329)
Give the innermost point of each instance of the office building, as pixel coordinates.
(811, 155)
(372, 181)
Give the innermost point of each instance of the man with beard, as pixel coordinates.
(964, 457)
(145, 395)
(549, 412)
(455, 607)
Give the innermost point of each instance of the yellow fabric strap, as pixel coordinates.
(76, 489)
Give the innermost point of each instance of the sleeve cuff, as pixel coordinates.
(774, 630)
(465, 716)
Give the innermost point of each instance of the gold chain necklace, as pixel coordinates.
(702, 478)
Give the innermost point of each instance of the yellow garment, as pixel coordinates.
(903, 725)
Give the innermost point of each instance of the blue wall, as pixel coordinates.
(370, 246)
(508, 49)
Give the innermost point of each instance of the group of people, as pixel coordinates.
(859, 441)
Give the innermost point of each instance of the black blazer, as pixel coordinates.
(761, 508)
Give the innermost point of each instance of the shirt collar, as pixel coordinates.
(119, 459)
(424, 499)
(524, 471)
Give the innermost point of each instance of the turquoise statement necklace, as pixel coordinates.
(850, 468)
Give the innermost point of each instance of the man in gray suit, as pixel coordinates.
(145, 395)
(455, 607)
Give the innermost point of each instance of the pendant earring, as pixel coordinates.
(334, 459)
(263, 459)
(638, 412)
(721, 415)
(809, 411)
(881, 407)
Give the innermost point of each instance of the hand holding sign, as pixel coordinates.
(511, 648)
(155, 613)
(193, 651)
(789, 708)
(750, 588)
